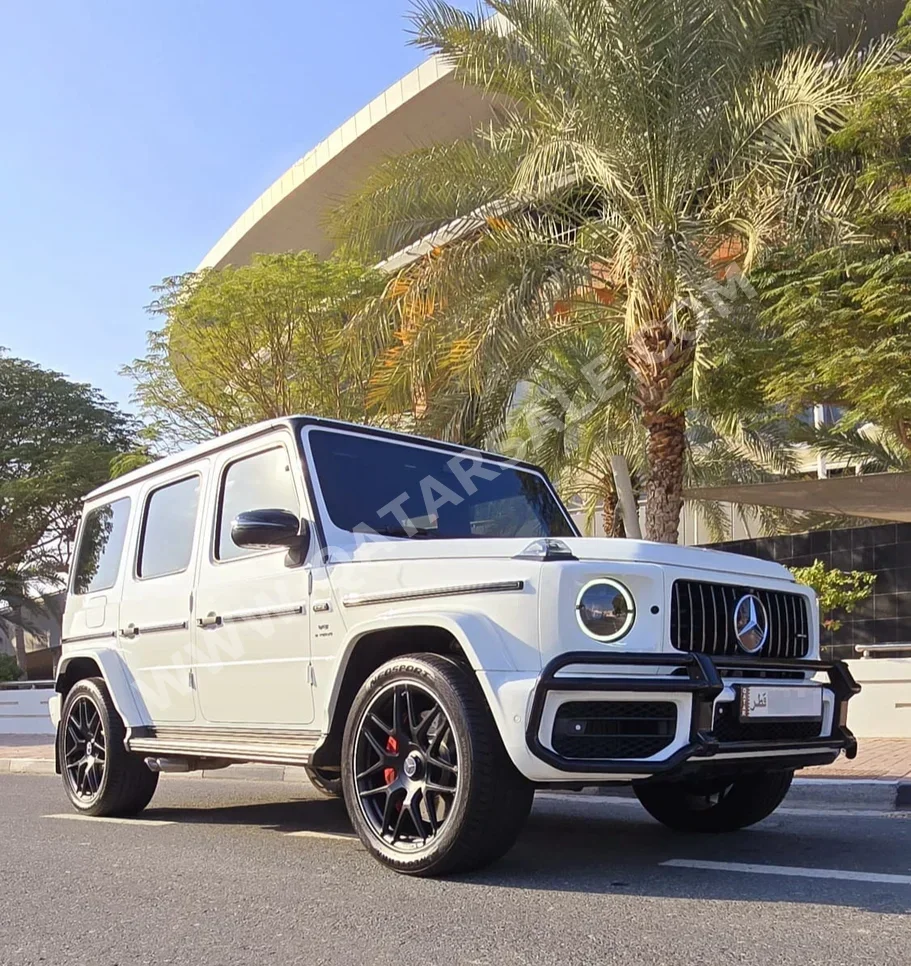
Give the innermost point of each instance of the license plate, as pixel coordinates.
(762, 703)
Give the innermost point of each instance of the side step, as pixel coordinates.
(233, 744)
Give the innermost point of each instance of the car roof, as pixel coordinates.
(294, 423)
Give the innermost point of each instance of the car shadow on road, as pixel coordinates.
(622, 852)
(317, 815)
(618, 850)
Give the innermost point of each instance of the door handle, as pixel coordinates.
(131, 631)
(210, 620)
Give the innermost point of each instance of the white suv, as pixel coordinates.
(423, 628)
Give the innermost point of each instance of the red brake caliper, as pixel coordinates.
(392, 746)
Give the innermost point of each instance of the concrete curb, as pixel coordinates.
(851, 793)
(26, 766)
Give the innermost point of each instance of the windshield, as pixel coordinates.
(372, 485)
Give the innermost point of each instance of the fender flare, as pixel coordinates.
(479, 637)
(118, 679)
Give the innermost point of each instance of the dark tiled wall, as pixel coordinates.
(886, 550)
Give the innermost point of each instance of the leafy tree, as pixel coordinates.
(243, 344)
(840, 318)
(57, 441)
(645, 153)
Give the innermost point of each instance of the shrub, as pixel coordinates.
(836, 589)
(9, 669)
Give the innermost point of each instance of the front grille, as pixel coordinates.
(702, 620)
(614, 729)
(728, 728)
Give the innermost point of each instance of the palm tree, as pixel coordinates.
(573, 424)
(644, 151)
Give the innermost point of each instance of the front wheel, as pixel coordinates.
(427, 782)
(716, 805)
(100, 776)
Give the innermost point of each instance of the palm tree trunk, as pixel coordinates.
(665, 448)
(658, 357)
(611, 522)
(19, 640)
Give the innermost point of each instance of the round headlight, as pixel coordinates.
(605, 609)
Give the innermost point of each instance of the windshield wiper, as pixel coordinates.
(394, 531)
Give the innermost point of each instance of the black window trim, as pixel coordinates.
(140, 540)
(71, 584)
(214, 559)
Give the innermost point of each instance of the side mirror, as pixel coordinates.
(272, 528)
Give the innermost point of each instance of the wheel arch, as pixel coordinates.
(107, 664)
(469, 637)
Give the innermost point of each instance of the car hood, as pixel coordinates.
(585, 548)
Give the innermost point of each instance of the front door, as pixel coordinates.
(252, 658)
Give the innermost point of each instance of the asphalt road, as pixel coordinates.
(253, 873)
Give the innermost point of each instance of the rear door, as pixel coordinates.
(156, 629)
(253, 639)
(92, 609)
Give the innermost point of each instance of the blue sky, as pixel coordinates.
(135, 133)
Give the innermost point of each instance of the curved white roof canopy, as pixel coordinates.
(425, 107)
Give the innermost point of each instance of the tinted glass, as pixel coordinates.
(170, 522)
(403, 490)
(101, 547)
(261, 482)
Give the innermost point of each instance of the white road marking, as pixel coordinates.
(787, 870)
(75, 817)
(310, 834)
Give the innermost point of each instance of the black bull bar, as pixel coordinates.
(704, 681)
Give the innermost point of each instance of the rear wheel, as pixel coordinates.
(426, 779)
(100, 776)
(717, 805)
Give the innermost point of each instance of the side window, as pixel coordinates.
(101, 547)
(168, 529)
(260, 482)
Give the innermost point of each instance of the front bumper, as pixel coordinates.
(704, 682)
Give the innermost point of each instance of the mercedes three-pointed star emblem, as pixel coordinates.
(751, 623)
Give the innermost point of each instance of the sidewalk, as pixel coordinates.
(885, 759)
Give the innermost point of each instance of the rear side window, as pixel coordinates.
(260, 482)
(168, 529)
(101, 547)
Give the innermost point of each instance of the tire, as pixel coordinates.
(112, 782)
(427, 782)
(716, 806)
(326, 783)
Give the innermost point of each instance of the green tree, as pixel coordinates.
(57, 441)
(645, 153)
(243, 344)
(840, 319)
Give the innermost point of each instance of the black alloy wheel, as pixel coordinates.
(84, 750)
(428, 784)
(407, 769)
(100, 776)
